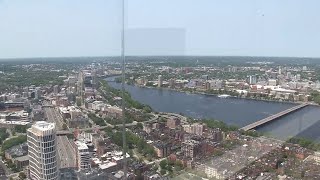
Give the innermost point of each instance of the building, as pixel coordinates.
(18, 155)
(173, 122)
(160, 80)
(83, 156)
(191, 148)
(272, 82)
(195, 128)
(21, 161)
(37, 93)
(55, 89)
(80, 121)
(253, 79)
(37, 114)
(16, 151)
(70, 112)
(216, 84)
(41, 138)
(172, 83)
(162, 149)
(304, 68)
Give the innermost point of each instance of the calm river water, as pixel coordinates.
(240, 112)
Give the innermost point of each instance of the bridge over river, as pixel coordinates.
(273, 117)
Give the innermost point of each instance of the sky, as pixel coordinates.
(72, 28)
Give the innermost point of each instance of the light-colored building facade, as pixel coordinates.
(160, 80)
(42, 151)
(83, 156)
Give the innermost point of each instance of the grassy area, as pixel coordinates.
(13, 141)
(97, 120)
(306, 143)
(3, 134)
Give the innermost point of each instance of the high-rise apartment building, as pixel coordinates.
(83, 156)
(42, 151)
(160, 80)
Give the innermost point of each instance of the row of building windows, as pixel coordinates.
(49, 149)
(48, 144)
(48, 155)
(51, 168)
(50, 160)
(51, 176)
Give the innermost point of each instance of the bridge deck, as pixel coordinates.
(273, 117)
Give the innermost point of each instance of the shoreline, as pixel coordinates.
(208, 94)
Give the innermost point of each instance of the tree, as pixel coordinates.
(163, 171)
(147, 109)
(64, 126)
(179, 164)
(3, 134)
(163, 164)
(78, 101)
(22, 175)
(20, 129)
(139, 125)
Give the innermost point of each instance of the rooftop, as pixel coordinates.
(43, 125)
(81, 145)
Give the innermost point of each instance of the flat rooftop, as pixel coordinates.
(81, 145)
(43, 125)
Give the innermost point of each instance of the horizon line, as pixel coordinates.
(104, 56)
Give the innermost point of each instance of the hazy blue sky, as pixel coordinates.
(46, 28)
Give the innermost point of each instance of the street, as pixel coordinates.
(65, 152)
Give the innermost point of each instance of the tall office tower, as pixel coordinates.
(279, 71)
(42, 151)
(160, 80)
(94, 78)
(253, 79)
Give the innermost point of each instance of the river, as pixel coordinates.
(239, 112)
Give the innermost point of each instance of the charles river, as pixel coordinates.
(240, 112)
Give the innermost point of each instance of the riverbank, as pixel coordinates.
(216, 95)
(232, 111)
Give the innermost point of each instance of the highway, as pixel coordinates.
(54, 116)
(65, 153)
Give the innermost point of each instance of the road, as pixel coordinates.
(54, 117)
(65, 152)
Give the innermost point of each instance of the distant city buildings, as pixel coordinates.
(272, 82)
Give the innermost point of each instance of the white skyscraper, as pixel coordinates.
(160, 80)
(253, 79)
(42, 151)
